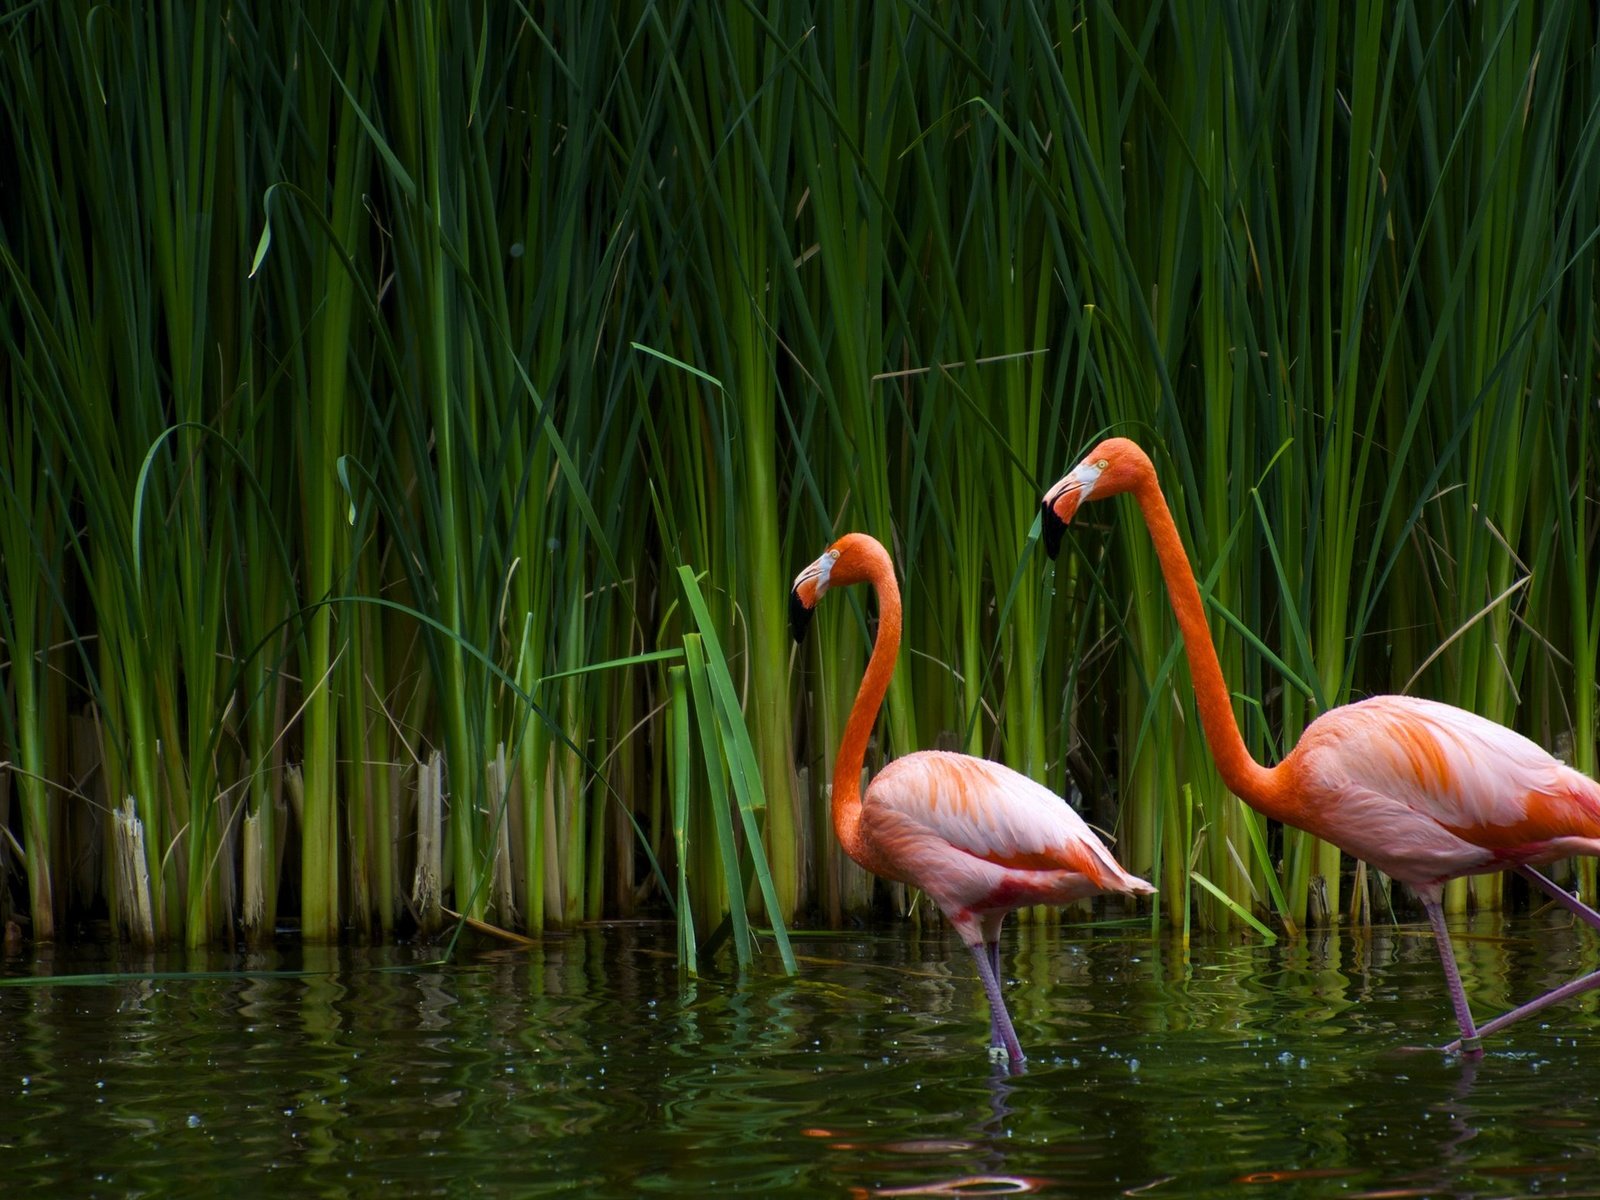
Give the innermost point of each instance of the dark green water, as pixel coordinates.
(587, 1067)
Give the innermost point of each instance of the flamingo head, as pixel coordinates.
(1116, 465)
(851, 559)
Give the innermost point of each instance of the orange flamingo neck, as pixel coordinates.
(1260, 787)
(847, 767)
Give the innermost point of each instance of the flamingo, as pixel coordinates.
(979, 838)
(1424, 791)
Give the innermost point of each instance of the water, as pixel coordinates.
(586, 1067)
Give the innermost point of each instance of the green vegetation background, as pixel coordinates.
(414, 415)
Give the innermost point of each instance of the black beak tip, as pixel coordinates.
(1053, 527)
(799, 617)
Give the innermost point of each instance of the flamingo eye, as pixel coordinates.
(1102, 464)
(833, 554)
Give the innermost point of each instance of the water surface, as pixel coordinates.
(589, 1066)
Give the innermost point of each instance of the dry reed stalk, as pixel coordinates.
(426, 890)
(133, 877)
(254, 900)
(502, 891)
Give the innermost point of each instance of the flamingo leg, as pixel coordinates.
(1554, 996)
(997, 1005)
(1561, 896)
(1469, 1044)
(1566, 991)
(989, 929)
(992, 949)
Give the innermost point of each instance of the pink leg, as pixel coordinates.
(1561, 896)
(1576, 988)
(1469, 1044)
(1555, 996)
(992, 949)
(990, 926)
(997, 1005)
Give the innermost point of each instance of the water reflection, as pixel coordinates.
(590, 1063)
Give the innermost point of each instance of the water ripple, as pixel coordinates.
(589, 1065)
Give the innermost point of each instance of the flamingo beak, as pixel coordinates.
(806, 591)
(800, 612)
(1061, 502)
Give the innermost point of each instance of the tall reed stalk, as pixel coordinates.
(31, 551)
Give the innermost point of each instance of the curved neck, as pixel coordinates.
(852, 756)
(1246, 778)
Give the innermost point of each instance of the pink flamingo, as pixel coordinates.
(977, 837)
(1423, 791)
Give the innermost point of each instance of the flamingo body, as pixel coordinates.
(979, 838)
(1426, 792)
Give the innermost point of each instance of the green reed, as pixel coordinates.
(32, 549)
(372, 372)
